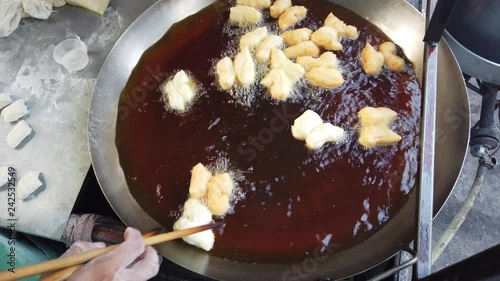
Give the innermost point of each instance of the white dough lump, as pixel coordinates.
(327, 60)
(306, 48)
(179, 92)
(391, 60)
(29, 184)
(200, 177)
(279, 7)
(329, 78)
(322, 134)
(375, 129)
(98, 6)
(294, 37)
(226, 73)
(253, 39)
(263, 53)
(291, 17)
(18, 134)
(259, 4)
(327, 37)
(5, 100)
(305, 123)
(220, 188)
(372, 60)
(244, 67)
(283, 75)
(343, 29)
(245, 15)
(193, 215)
(310, 127)
(14, 111)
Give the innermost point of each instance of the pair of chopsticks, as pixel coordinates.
(64, 267)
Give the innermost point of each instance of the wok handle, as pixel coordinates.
(482, 266)
(439, 20)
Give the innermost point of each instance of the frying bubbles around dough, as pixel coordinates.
(254, 38)
(392, 61)
(245, 15)
(244, 67)
(226, 73)
(307, 48)
(263, 52)
(327, 59)
(279, 7)
(294, 37)
(325, 77)
(259, 4)
(291, 17)
(372, 60)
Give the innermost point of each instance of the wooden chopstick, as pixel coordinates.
(63, 274)
(65, 262)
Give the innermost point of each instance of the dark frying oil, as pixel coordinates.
(294, 199)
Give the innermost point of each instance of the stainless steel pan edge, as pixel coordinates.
(397, 19)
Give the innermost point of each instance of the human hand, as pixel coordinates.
(129, 261)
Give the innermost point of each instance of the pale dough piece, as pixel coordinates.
(375, 129)
(327, 37)
(226, 74)
(58, 3)
(29, 184)
(327, 59)
(305, 124)
(294, 37)
(245, 15)
(4, 176)
(372, 60)
(376, 116)
(392, 61)
(279, 84)
(17, 135)
(344, 30)
(264, 50)
(98, 6)
(5, 100)
(14, 111)
(244, 67)
(291, 17)
(200, 177)
(254, 38)
(322, 134)
(219, 189)
(259, 4)
(307, 48)
(196, 214)
(180, 91)
(279, 7)
(294, 70)
(329, 78)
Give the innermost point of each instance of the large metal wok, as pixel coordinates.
(400, 21)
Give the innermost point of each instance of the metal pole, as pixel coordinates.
(426, 187)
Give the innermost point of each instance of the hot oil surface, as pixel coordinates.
(294, 199)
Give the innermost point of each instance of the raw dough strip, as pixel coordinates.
(14, 111)
(18, 134)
